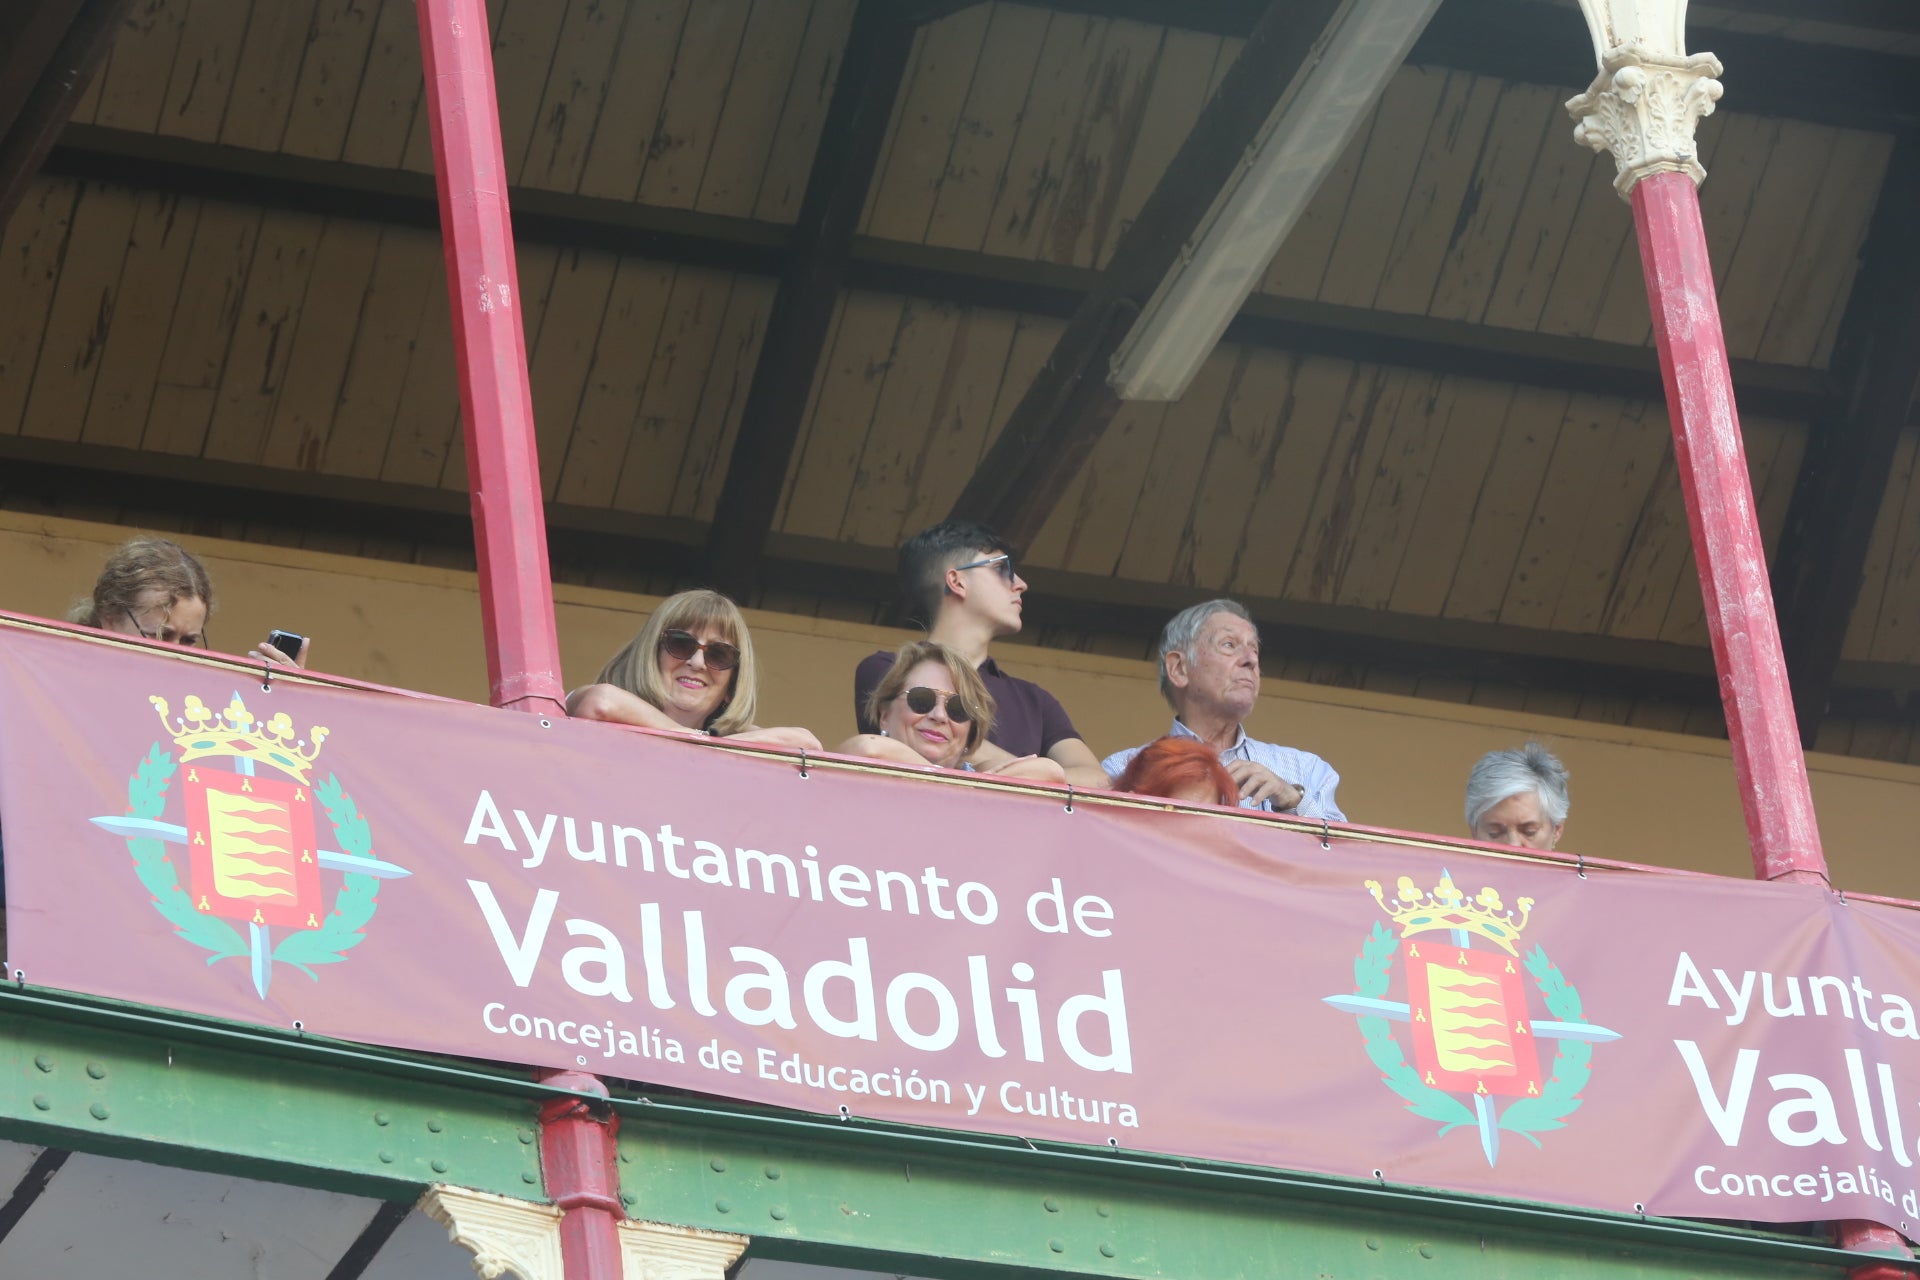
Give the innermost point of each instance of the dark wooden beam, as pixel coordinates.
(205, 494)
(49, 49)
(32, 1185)
(960, 276)
(372, 1239)
(872, 68)
(1063, 414)
(1821, 561)
(1540, 43)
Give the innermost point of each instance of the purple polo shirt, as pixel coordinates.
(1027, 720)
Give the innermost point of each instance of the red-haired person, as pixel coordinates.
(1180, 769)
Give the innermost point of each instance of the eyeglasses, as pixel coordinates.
(160, 635)
(1003, 562)
(682, 645)
(921, 700)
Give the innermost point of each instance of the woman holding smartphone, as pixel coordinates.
(690, 669)
(157, 589)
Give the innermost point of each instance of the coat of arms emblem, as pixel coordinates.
(1475, 1042)
(253, 883)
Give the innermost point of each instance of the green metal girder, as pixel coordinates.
(951, 1205)
(121, 1082)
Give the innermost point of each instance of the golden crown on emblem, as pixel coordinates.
(1445, 907)
(199, 731)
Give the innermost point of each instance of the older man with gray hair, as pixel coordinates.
(1518, 798)
(1210, 675)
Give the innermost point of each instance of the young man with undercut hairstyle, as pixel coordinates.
(961, 578)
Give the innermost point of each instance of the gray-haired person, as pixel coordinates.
(1210, 676)
(1518, 798)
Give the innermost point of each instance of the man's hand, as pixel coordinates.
(1259, 783)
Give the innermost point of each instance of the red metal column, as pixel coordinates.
(503, 466)
(1767, 760)
(509, 526)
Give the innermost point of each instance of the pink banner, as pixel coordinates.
(448, 878)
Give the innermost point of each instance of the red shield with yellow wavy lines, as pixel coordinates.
(1471, 1029)
(251, 849)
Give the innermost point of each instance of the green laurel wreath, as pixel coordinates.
(1524, 1116)
(340, 932)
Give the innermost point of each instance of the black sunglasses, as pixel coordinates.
(1003, 562)
(921, 700)
(682, 645)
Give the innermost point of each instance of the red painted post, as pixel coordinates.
(503, 465)
(509, 527)
(1767, 760)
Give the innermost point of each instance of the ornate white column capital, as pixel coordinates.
(657, 1251)
(1650, 93)
(503, 1234)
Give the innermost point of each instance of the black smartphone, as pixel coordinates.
(287, 642)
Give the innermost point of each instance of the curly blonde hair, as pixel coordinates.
(136, 567)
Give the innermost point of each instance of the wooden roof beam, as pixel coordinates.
(872, 67)
(1820, 565)
(1272, 113)
(49, 50)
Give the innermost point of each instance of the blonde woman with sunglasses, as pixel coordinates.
(932, 708)
(690, 670)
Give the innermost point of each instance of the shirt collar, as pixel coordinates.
(1180, 730)
(990, 667)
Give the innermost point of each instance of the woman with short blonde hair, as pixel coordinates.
(933, 708)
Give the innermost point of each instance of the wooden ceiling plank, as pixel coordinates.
(990, 121)
(332, 75)
(763, 455)
(1351, 470)
(49, 59)
(559, 363)
(278, 32)
(1505, 506)
(696, 93)
(1113, 477)
(851, 376)
(1468, 438)
(133, 86)
(716, 421)
(390, 90)
(682, 355)
(915, 381)
(1896, 507)
(1599, 246)
(1178, 92)
(1582, 452)
(953, 443)
(811, 414)
(1384, 525)
(427, 418)
(1557, 180)
(1049, 546)
(31, 244)
(527, 55)
(407, 271)
(643, 70)
(1238, 466)
(149, 291)
(1435, 201)
(1819, 272)
(1265, 547)
(1083, 229)
(188, 381)
(1521, 118)
(1173, 477)
(81, 317)
(762, 80)
(1641, 442)
(723, 401)
(925, 122)
(322, 338)
(1412, 102)
(1772, 227)
(202, 79)
(577, 83)
(627, 352)
(1065, 83)
(260, 341)
(796, 133)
